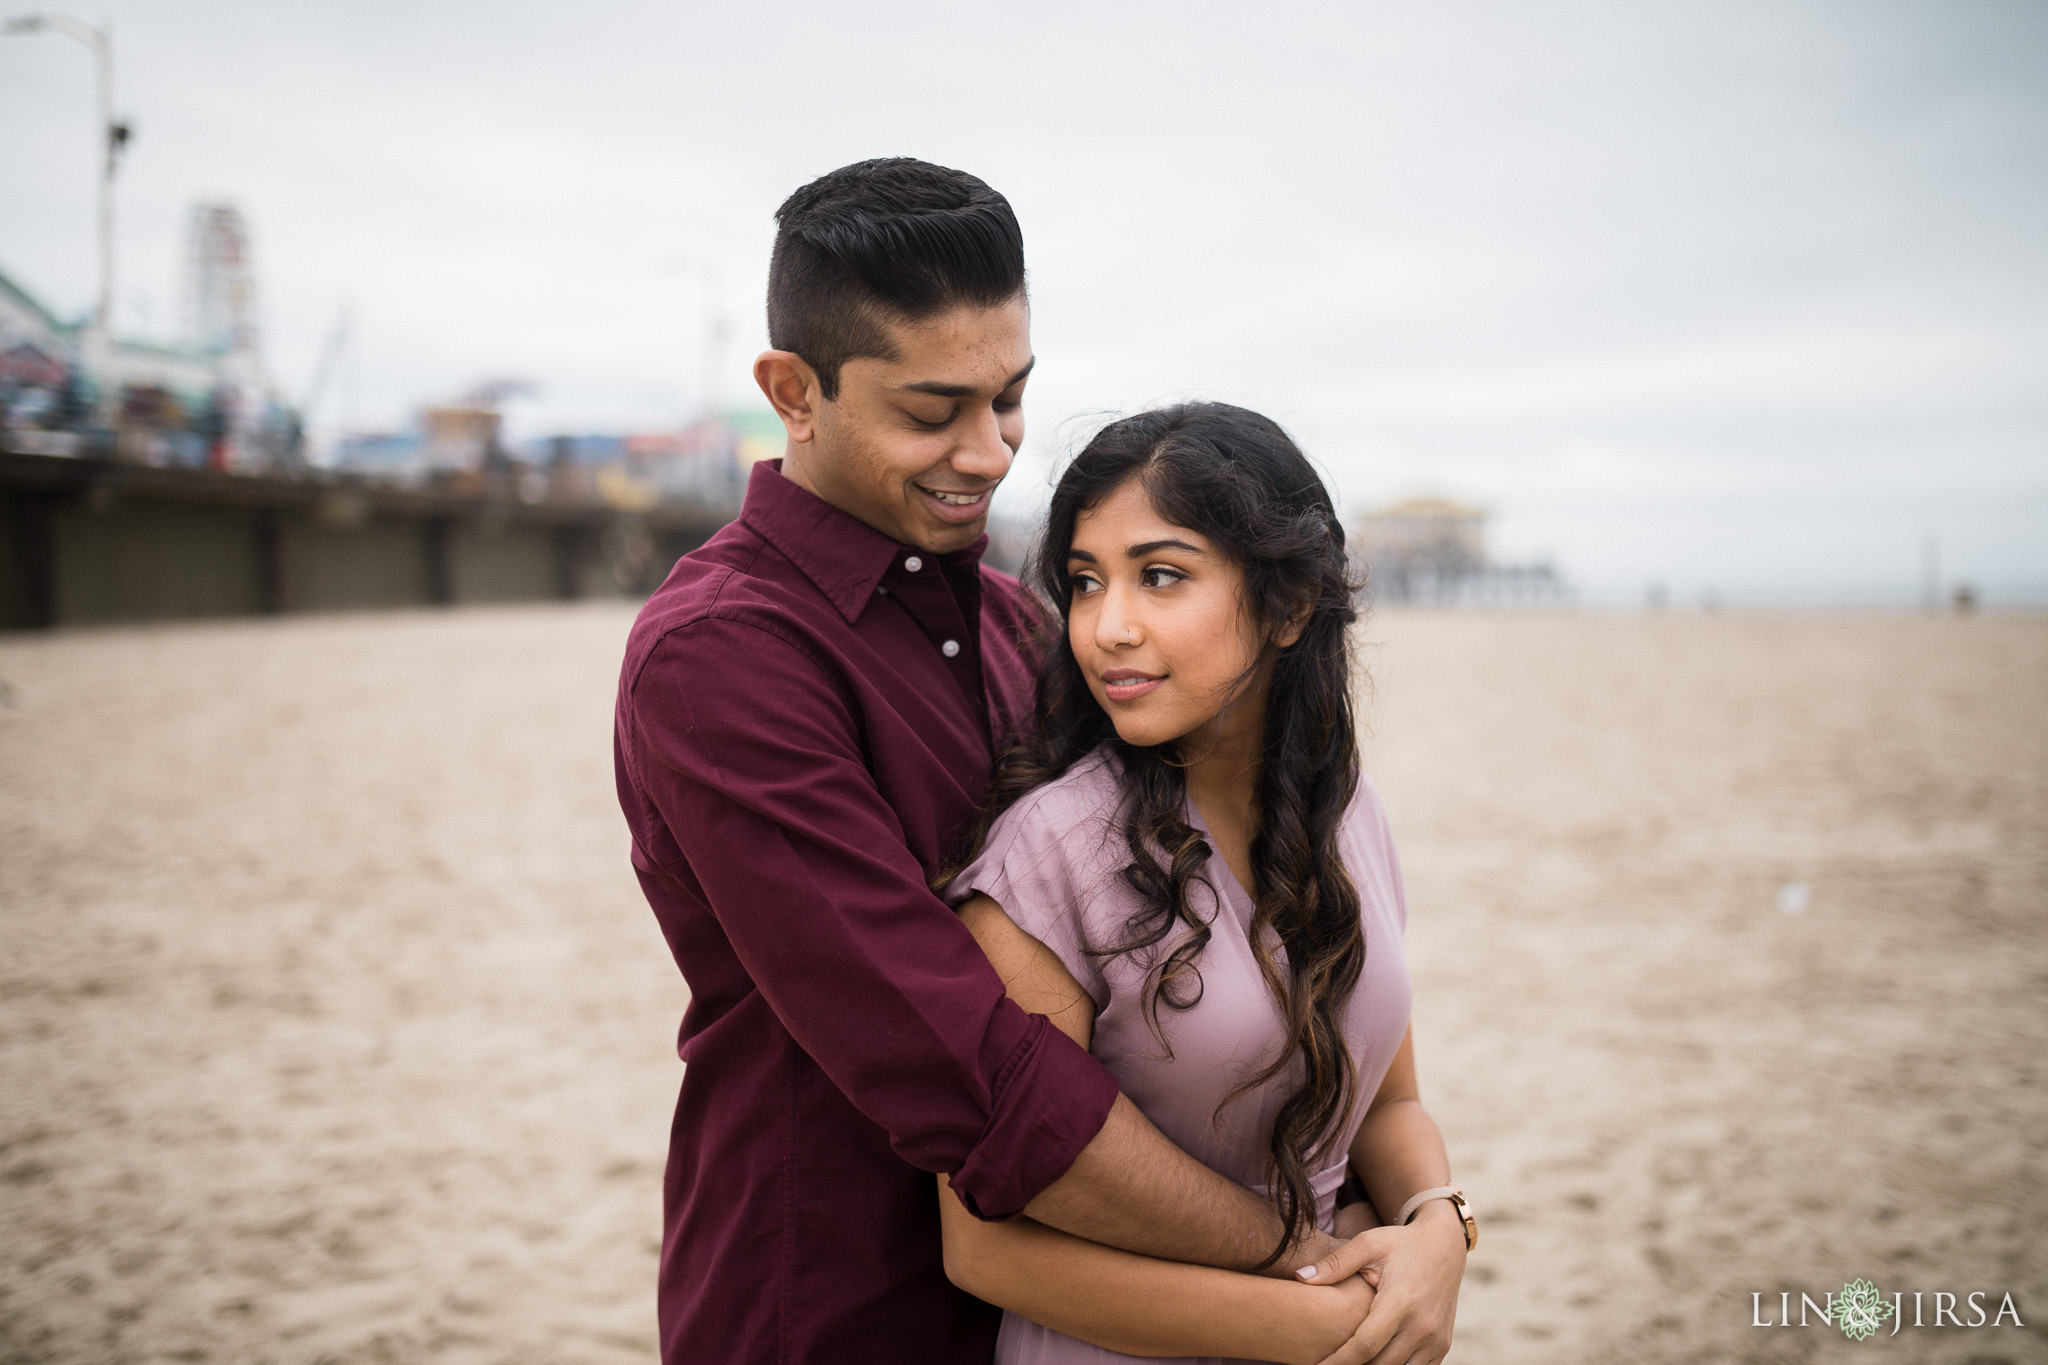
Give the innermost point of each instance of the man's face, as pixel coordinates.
(915, 446)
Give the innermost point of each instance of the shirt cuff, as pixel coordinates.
(1050, 1100)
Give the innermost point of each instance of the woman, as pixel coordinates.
(1183, 868)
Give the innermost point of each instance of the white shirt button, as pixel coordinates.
(951, 649)
(913, 563)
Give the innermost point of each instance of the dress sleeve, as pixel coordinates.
(1052, 863)
(748, 755)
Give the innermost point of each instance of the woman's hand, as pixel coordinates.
(1417, 1270)
(1332, 1318)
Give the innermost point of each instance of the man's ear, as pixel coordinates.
(791, 387)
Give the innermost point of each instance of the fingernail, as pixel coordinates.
(1307, 1272)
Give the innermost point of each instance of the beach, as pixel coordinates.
(334, 1028)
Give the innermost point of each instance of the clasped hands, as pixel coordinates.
(1402, 1282)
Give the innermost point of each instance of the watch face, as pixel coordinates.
(1464, 1207)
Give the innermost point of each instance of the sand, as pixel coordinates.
(333, 1027)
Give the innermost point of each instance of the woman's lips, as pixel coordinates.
(1128, 684)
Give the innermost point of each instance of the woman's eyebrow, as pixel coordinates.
(1151, 545)
(1080, 554)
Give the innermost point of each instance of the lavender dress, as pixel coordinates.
(1053, 861)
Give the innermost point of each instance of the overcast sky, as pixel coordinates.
(1745, 299)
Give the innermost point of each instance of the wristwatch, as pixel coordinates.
(1458, 1201)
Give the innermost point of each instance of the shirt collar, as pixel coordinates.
(843, 556)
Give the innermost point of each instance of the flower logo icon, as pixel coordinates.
(1860, 1310)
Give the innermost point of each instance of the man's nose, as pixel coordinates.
(983, 454)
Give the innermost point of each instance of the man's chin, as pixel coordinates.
(945, 537)
(937, 534)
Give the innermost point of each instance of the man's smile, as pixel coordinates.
(955, 505)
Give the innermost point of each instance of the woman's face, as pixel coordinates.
(1158, 626)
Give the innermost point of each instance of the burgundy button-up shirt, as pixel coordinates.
(805, 724)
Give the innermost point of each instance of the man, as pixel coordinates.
(806, 718)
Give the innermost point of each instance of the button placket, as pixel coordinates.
(931, 601)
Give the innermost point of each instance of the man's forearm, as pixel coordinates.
(1132, 1188)
(1138, 1304)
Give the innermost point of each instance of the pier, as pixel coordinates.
(87, 541)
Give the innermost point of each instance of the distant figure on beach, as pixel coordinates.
(808, 717)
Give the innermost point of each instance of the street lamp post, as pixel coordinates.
(113, 137)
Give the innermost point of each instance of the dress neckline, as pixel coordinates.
(1227, 886)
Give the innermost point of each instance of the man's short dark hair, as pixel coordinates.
(891, 240)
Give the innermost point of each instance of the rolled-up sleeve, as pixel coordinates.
(749, 756)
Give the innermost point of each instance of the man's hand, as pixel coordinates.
(1417, 1270)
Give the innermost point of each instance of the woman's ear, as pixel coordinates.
(1297, 622)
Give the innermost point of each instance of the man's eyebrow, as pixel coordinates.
(939, 390)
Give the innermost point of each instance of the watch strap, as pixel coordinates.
(1457, 1198)
(1416, 1201)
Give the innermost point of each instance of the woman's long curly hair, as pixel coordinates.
(1238, 479)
